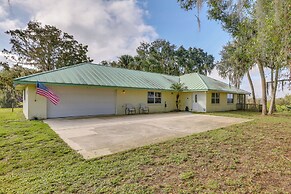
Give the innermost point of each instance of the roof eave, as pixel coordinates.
(23, 83)
(230, 91)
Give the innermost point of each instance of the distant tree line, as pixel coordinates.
(161, 56)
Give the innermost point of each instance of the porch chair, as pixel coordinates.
(130, 109)
(143, 108)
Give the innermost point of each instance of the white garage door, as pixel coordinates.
(81, 101)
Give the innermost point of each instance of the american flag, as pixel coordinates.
(42, 90)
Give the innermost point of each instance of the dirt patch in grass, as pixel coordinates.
(252, 157)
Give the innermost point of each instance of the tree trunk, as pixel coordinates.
(237, 85)
(177, 101)
(13, 99)
(252, 88)
(274, 91)
(263, 84)
(272, 81)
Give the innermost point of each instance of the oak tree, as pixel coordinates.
(45, 47)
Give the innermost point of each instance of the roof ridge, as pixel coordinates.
(199, 75)
(219, 81)
(134, 70)
(229, 86)
(44, 72)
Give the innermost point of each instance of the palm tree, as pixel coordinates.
(178, 87)
(125, 61)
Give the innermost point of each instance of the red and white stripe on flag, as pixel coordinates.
(42, 90)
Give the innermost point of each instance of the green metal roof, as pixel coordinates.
(90, 74)
(98, 75)
(195, 81)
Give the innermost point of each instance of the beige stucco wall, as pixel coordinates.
(34, 106)
(187, 99)
(135, 97)
(223, 105)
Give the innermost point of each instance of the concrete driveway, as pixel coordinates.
(99, 136)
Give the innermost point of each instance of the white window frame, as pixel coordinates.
(215, 99)
(230, 98)
(156, 97)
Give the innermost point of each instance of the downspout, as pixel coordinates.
(206, 100)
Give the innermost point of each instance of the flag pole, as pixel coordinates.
(35, 92)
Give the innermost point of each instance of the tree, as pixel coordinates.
(125, 61)
(228, 12)
(199, 61)
(229, 66)
(178, 87)
(236, 63)
(10, 97)
(233, 16)
(105, 63)
(274, 41)
(208, 64)
(161, 56)
(142, 57)
(190, 4)
(181, 59)
(45, 47)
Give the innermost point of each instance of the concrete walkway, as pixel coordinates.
(99, 136)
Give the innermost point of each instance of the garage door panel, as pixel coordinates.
(81, 101)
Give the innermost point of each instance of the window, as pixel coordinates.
(229, 98)
(195, 98)
(215, 98)
(154, 97)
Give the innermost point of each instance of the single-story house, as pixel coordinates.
(90, 89)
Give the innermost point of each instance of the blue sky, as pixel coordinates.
(181, 28)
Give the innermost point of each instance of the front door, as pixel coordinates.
(195, 105)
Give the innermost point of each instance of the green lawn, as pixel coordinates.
(253, 157)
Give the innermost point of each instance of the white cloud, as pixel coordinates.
(110, 28)
(3, 13)
(214, 74)
(2, 58)
(6, 22)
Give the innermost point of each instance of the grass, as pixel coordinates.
(253, 157)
